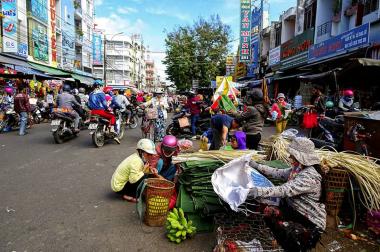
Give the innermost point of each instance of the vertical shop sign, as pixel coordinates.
(68, 34)
(245, 30)
(97, 48)
(40, 49)
(255, 40)
(53, 40)
(300, 19)
(9, 11)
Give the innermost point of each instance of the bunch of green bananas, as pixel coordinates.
(177, 227)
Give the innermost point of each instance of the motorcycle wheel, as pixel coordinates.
(58, 139)
(133, 122)
(122, 131)
(98, 138)
(172, 130)
(3, 124)
(37, 119)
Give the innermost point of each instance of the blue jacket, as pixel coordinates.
(97, 100)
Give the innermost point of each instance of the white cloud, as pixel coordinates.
(98, 2)
(169, 13)
(126, 10)
(116, 23)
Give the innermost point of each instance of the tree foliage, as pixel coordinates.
(197, 52)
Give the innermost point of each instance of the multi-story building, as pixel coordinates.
(84, 23)
(42, 35)
(123, 62)
(150, 74)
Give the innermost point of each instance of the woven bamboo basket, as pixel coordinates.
(336, 183)
(158, 194)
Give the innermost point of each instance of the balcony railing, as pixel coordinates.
(324, 29)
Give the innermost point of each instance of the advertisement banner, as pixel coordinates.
(39, 10)
(97, 48)
(230, 60)
(22, 50)
(295, 51)
(9, 10)
(53, 39)
(68, 34)
(300, 20)
(275, 56)
(245, 31)
(39, 41)
(347, 41)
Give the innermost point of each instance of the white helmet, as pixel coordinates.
(146, 145)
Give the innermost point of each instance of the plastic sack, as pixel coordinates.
(290, 134)
(258, 180)
(232, 181)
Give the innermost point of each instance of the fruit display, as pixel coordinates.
(177, 227)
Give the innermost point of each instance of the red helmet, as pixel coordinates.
(107, 89)
(349, 93)
(169, 145)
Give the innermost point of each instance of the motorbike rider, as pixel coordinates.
(98, 105)
(346, 103)
(121, 102)
(65, 100)
(83, 97)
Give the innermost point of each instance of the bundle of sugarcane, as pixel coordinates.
(224, 156)
(364, 169)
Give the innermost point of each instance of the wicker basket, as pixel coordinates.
(158, 193)
(336, 185)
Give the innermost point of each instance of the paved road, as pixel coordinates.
(58, 198)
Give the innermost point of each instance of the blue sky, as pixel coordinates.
(151, 17)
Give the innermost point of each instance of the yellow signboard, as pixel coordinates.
(230, 60)
(219, 80)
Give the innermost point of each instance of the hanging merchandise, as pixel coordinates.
(225, 96)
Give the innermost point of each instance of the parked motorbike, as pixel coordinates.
(36, 115)
(62, 125)
(181, 124)
(10, 120)
(330, 132)
(101, 132)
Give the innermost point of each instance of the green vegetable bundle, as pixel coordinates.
(177, 227)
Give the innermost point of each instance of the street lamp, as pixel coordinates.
(105, 55)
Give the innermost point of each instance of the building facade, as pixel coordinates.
(123, 60)
(43, 32)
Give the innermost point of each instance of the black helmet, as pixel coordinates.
(66, 88)
(256, 95)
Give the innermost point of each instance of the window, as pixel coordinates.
(277, 35)
(89, 33)
(310, 14)
(370, 6)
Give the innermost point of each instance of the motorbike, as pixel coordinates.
(330, 132)
(101, 132)
(10, 120)
(62, 125)
(181, 124)
(134, 120)
(36, 115)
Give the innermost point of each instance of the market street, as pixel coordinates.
(58, 198)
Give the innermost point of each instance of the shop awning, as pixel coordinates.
(30, 72)
(49, 70)
(282, 77)
(83, 79)
(368, 62)
(318, 75)
(13, 61)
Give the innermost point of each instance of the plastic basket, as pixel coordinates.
(158, 194)
(336, 184)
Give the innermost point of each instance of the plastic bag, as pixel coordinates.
(232, 181)
(290, 134)
(310, 120)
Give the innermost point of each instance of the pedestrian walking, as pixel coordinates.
(22, 107)
(280, 111)
(193, 104)
(161, 104)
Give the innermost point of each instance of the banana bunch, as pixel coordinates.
(177, 227)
